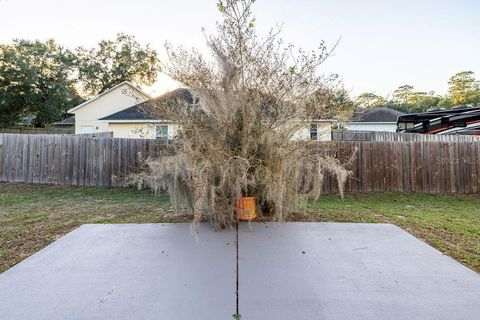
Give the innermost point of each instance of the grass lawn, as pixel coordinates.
(31, 217)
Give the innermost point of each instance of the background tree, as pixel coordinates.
(464, 88)
(445, 102)
(422, 101)
(402, 94)
(335, 99)
(36, 78)
(113, 62)
(251, 97)
(369, 100)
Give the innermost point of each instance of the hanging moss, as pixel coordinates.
(238, 134)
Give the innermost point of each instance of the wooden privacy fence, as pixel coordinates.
(348, 135)
(70, 160)
(32, 130)
(431, 167)
(97, 134)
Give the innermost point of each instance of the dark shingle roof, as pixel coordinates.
(382, 114)
(146, 110)
(70, 121)
(132, 113)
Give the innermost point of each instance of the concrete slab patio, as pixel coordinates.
(341, 271)
(287, 271)
(125, 272)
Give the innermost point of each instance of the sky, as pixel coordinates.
(383, 43)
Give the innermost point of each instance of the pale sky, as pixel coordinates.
(384, 43)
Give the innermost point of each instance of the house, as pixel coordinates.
(120, 97)
(65, 123)
(144, 121)
(26, 121)
(128, 112)
(376, 119)
(317, 129)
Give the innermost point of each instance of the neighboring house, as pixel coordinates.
(65, 123)
(143, 121)
(26, 121)
(118, 98)
(319, 129)
(128, 112)
(376, 119)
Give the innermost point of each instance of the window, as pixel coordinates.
(162, 132)
(313, 131)
(86, 129)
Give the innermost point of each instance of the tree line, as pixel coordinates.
(42, 79)
(464, 89)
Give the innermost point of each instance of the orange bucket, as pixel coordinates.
(246, 208)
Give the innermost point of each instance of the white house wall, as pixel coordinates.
(140, 130)
(372, 126)
(111, 102)
(324, 132)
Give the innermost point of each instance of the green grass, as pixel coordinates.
(447, 222)
(31, 217)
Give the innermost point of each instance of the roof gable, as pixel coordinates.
(106, 92)
(145, 111)
(381, 114)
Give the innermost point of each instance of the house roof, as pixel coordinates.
(146, 111)
(106, 92)
(382, 114)
(66, 122)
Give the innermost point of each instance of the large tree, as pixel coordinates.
(116, 61)
(36, 78)
(237, 138)
(422, 101)
(369, 100)
(464, 88)
(402, 94)
(335, 99)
